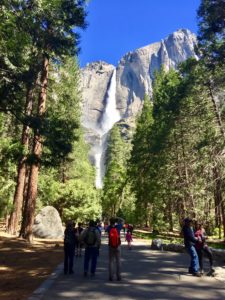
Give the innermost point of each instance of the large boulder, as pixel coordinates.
(48, 224)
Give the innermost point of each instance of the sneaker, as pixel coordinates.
(197, 274)
(211, 273)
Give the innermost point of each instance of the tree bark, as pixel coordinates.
(29, 209)
(217, 198)
(15, 216)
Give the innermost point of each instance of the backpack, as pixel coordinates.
(114, 238)
(90, 237)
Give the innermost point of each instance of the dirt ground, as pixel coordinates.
(23, 267)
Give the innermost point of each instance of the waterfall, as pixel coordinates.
(110, 116)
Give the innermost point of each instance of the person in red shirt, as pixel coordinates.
(202, 247)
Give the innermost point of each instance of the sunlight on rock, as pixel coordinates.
(28, 250)
(5, 268)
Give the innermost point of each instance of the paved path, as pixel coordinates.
(146, 275)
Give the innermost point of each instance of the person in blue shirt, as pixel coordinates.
(189, 242)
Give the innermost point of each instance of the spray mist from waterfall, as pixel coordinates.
(110, 117)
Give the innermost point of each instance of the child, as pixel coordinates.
(129, 239)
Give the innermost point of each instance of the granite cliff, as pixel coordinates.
(133, 78)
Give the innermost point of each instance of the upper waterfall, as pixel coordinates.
(111, 115)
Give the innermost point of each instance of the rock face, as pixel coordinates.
(135, 72)
(48, 224)
(134, 77)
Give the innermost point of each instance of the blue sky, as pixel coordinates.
(118, 26)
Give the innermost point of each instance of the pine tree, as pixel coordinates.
(48, 25)
(139, 161)
(116, 173)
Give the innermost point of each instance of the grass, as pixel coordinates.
(173, 238)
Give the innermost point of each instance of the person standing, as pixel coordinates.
(69, 247)
(202, 247)
(113, 230)
(92, 242)
(189, 241)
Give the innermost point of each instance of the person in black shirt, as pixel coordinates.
(69, 247)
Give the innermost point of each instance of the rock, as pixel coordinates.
(48, 224)
(157, 244)
(218, 254)
(174, 247)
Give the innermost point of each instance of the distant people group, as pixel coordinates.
(195, 244)
(90, 239)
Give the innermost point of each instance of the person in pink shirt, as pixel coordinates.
(202, 247)
(129, 239)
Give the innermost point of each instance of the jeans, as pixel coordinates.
(194, 265)
(91, 253)
(114, 262)
(208, 253)
(68, 258)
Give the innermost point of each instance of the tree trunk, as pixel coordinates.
(29, 210)
(217, 198)
(223, 218)
(170, 214)
(15, 216)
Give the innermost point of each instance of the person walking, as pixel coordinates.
(69, 247)
(78, 245)
(189, 241)
(113, 230)
(92, 242)
(202, 247)
(129, 239)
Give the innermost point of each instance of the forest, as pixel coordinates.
(171, 165)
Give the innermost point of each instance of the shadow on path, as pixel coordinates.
(146, 275)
